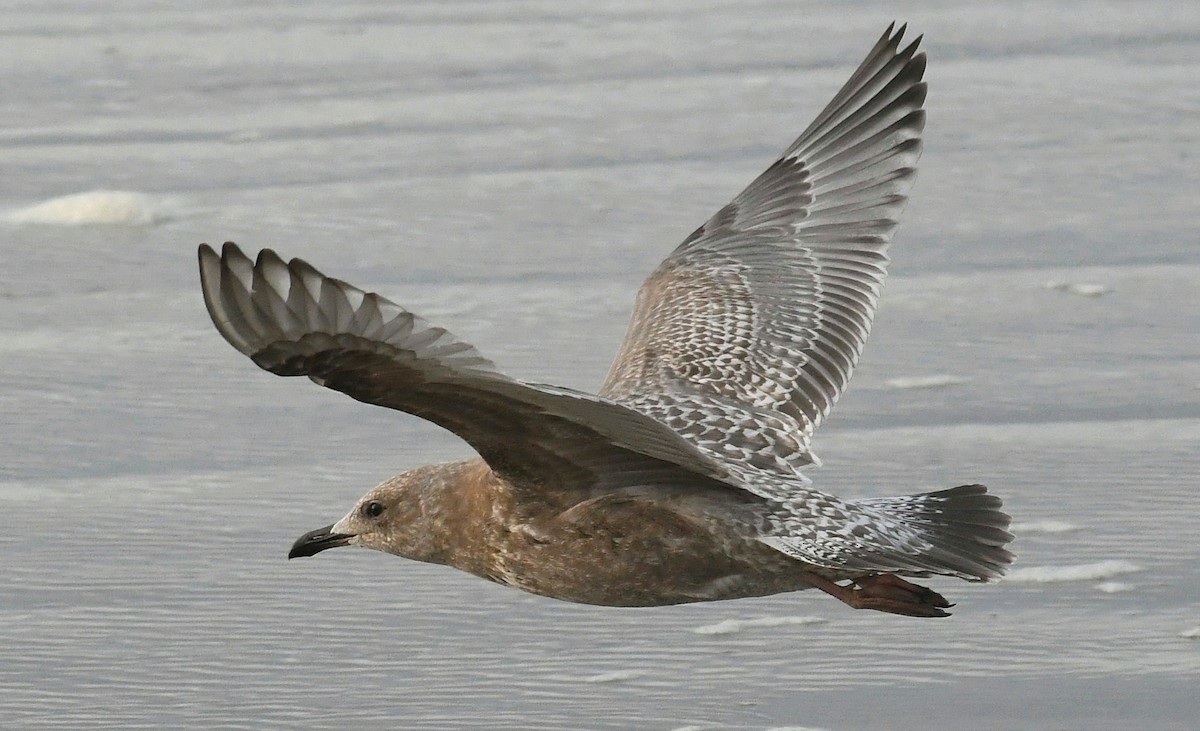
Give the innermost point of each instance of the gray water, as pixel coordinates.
(511, 170)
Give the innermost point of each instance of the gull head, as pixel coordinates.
(398, 516)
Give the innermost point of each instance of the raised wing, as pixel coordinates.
(294, 321)
(745, 336)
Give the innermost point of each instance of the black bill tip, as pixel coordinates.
(313, 542)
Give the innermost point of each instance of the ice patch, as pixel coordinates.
(733, 626)
(1114, 587)
(1191, 634)
(1043, 526)
(96, 207)
(940, 381)
(1080, 288)
(1078, 572)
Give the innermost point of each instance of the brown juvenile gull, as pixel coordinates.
(680, 481)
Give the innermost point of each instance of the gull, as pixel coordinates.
(680, 479)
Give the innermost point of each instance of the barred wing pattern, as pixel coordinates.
(745, 336)
(292, 320)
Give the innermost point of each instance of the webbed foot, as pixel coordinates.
(884, 593)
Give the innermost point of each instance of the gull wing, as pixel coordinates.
(745, 336)
(294, 321)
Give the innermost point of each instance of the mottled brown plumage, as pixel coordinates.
(645, 542)
(680, 480)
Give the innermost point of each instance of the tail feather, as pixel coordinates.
(962, 532)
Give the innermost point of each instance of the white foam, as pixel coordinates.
(1114, 587)
(1083, 289)
(1191, 634)
(938, 381)
(96, 207)
(1043, 526)
(1077, 572)
(733, 626)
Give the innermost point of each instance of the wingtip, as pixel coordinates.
(268, 257)
(911, 49)
(893, 36)
(231, 251)
(210, 275)
(224, 280)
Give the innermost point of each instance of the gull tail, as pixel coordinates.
(958, 532)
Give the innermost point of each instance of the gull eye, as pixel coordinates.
(373, 509)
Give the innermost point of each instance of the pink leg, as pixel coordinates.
(884, 593)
